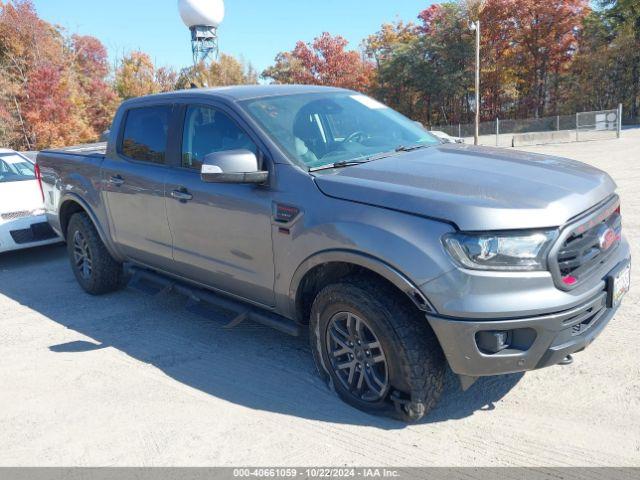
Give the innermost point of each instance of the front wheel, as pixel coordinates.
(95, 269)
(376, 350)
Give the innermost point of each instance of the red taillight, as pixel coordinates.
(569, 280)
(619, 210)
(39, 178)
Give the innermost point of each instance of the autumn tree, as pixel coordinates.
(447, 61)
(53, 107)
(543, 37)
(53, 88)
(325, 61)
(425, 70)
(527, 51)
(227, 70)
(91, 67)
(25, 43)
(622, 20)
(394, 79)
(136, 76)
(166, 79)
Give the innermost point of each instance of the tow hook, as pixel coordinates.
(568, 360)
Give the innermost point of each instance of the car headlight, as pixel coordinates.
(506, 251)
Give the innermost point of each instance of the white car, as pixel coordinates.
(22, 220)
(445, 137)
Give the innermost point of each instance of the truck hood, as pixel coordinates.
(473, 187)
(19, 196)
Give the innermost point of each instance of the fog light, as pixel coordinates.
(493, 341)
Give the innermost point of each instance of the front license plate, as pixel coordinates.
(619, 283)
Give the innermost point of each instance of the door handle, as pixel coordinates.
(116, 181)
(182, 195)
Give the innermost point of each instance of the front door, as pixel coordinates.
(134, 181)
(221, 232)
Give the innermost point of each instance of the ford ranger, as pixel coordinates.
(300, 206)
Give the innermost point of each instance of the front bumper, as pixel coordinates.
(545, 323)
(536, 342)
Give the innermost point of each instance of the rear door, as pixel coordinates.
(221, 232)
(134, 185)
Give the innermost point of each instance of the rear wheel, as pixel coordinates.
(95, 269)
(376, 350)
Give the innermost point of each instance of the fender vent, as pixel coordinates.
(285, 213)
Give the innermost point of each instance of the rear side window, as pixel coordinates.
(145, 134)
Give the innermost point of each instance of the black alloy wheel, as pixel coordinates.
(357, 357)
(82, 255)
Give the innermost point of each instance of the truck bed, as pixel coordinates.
(76, 168)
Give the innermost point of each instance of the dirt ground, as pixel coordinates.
(131, 380)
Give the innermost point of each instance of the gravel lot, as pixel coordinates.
(132, 380)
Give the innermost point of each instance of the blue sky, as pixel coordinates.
(254, 29)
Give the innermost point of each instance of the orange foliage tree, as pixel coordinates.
(325, 61)
(53, 90)
(527, 52)
(529, 45)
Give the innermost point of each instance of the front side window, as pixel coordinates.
(322, 129)
(145, 134)
(15, 168)
(206, 131)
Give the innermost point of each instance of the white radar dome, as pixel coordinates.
(208, 13)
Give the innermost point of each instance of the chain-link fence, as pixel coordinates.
(597, 125)
(582, 126)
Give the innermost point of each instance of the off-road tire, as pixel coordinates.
(415, 360)
(106, 273)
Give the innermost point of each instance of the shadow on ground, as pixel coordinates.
(250, 365)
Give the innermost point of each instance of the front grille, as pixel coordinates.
(38, 232)
(581, 252)
(16, 215)
(586, 245)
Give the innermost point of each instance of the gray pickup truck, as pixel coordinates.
(300, 206)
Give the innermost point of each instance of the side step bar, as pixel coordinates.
(151, 283)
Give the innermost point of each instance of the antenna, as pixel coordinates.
(202, 17)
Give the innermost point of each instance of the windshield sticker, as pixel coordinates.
(369, 102)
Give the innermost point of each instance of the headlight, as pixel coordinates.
(507, 251)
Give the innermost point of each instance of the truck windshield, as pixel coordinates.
(324, 129)
(14, 168)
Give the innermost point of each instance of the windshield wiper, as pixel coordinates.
(405, 148)
(341, 164)
(370, 158)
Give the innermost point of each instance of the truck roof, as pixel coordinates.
(243, 92)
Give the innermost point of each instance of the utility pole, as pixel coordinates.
(619, 126)
(476, 26)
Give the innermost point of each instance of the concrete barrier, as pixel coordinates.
(538, 138)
